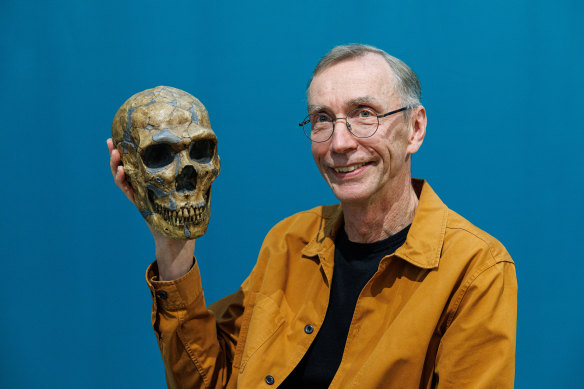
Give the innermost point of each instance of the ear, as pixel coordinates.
(417, 123)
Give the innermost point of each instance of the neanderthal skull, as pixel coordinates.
(169, 153)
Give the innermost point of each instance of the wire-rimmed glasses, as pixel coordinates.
(362, 122)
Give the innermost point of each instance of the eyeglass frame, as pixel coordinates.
(334, 121)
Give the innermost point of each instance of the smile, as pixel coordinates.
(347, 169)
(189, 214)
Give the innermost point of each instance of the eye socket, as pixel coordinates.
(157, 156)
(202, 151)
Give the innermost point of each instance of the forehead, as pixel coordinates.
(158, 114)
(180, 135)
(368, 76)
(164, 122)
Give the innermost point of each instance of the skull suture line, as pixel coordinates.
(169, 153)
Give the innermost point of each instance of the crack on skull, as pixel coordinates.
(194, 114)
(127, 139)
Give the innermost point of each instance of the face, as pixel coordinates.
(170, 158)
(364, 170)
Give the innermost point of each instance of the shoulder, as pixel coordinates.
(440, 237)
(475, 263)
(472, 242)
(476, 267)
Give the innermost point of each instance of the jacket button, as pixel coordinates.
(269, 380)
(162, 294)
(309, 329)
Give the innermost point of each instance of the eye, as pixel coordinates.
(157, 156)
(202, 150)
(317, 118)
(364, 113)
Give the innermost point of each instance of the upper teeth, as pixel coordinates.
(192, 213)
(347, 169)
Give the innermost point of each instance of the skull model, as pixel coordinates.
(169, 153)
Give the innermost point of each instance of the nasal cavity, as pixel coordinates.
(187, 179)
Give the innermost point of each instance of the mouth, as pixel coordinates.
(350, 168)
(192, 213)
(189, 213)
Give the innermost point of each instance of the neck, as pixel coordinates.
(381, 218)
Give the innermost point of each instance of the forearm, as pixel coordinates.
(174, 258)
(194, 353)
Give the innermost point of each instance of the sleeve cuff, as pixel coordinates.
(176, 294)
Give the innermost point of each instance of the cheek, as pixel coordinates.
(398, 143)
(318, 154)
(318, 151)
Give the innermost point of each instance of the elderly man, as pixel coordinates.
(388, 289)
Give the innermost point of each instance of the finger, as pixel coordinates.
(123, 184)
(110, 145)
(114, 162)
(120, 178)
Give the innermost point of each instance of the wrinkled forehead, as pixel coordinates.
(365, 76)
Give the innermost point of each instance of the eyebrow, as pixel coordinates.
(353, 103)
(363, 100)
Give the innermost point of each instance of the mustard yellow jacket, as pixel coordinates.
(439, 313)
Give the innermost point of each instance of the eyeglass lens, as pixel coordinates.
(362, 122)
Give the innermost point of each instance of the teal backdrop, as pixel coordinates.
(502, 84)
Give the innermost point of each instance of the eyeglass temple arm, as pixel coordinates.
(396, 111)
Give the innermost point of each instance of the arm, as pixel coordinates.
(478, 348)
(197, 350)
(196, 344)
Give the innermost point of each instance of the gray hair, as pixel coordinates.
(407, 84)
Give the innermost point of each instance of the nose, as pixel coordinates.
(342, 139)
(186, 181)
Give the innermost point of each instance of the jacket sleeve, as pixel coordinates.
(478, 347)
(197, 344)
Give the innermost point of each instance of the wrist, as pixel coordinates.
(174, 258)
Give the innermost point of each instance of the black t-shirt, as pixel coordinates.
(355, 264)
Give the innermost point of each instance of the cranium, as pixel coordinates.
(169, 153)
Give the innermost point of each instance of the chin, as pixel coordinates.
(347, 197)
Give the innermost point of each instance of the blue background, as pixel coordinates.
(502, 84)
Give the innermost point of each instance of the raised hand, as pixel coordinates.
(174, 257)
(118, 171)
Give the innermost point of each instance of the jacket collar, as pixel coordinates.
(425, 238)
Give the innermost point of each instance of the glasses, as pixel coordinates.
(361, 122)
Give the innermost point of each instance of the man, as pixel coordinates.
(389, 289)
